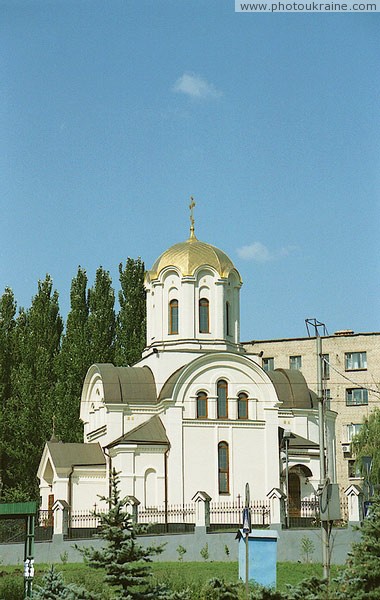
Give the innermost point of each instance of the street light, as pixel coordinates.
(287, 435)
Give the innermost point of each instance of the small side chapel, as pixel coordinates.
(196, 412)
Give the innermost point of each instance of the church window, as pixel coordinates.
(201, 405)
(228, 317)
(173, 316)
(222, 402)
(242, 406)
(204, 325)
(223, 468)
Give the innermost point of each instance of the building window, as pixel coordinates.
(204, 326)
(325, 366)
(355, 361)
(356, 396)
(173, 316)
(222, 394)
(242, 406)
(228, 317)
(295, 362)
(353, 470)
(201, 405)
(353, 429)
(223, 469)
(268, 364)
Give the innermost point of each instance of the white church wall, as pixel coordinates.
(172, 421)
(86, 487)
(246, 447)
(141, 472)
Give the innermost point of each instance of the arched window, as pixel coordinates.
(204, 321)
(223, 468)
(228, 317)
(242, 406)
(201, 405)
(173, 316)
(222, 395)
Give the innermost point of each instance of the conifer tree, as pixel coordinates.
(73, 362)
(124, 560)
(361, 577)
(28, 419)
(131, 320)
(54, 588)
(101, 319)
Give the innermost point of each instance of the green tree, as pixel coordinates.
(131, 319)
(73, 362)
(54, 588)
(125, 561)
(361, 577)
(366, 443)
(7, 360)
(101, 319)
(28, 419)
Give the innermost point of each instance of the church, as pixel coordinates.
(197, 412)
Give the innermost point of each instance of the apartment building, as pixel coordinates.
(351, 381)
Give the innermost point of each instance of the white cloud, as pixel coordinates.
(195, 86)
(258, 252)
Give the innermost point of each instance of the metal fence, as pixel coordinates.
(306, 513)
(13, 531)
(180, 518)
(229, 514)
(175, 518)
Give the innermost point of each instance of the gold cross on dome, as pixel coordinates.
(191, 206)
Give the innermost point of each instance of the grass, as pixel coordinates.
(177, 575)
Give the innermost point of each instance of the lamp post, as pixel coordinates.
(286, 438)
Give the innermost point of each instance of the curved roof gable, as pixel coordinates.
(127, 385)
(291, 388)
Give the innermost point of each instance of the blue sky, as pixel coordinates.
(113, 113)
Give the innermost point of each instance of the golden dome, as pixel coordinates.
(189, 256)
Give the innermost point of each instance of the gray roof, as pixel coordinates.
(151, 432)
(129, 385)
(68, 455)
(291, 389)
(168, 387)
(297, 442)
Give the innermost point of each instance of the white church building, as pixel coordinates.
(196, 413)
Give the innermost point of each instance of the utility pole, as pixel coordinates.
(317, 325)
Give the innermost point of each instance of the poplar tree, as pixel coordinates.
(131, 319)
(101, 319)
(28, 419)
(73, 363)
(7, 360)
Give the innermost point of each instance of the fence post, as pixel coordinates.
(60, 510)
(134, 503)
(202, 509)
(277, 508)
(355, 504)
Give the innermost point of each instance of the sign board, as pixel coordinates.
(246, 520)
